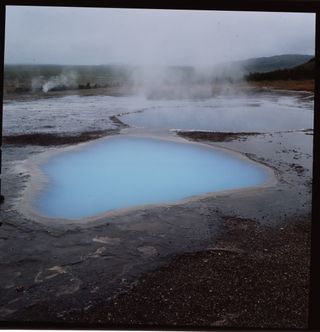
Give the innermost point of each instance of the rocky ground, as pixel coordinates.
(252, 276)
(235, 259)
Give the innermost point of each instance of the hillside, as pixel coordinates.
(44, 78)
(266, 64)
(33, 78)
(305, 71)
(237, 70)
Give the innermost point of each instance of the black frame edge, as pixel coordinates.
(246, 5)
(2, 48)
(314, 304)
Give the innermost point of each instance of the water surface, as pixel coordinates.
(239, 113)
(73, 114)
(123, 172)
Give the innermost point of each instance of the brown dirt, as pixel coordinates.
(215, 136)
(44, 139)
(303, 85)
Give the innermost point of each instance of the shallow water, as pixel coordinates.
(122, 172)
(258, 113)
(250, 112)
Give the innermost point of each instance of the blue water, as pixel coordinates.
(263, 113)
(123, 172)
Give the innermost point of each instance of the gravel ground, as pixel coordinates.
(233, 260)
(254, 276)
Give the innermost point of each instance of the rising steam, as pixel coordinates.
(61, 81)
(183, 82)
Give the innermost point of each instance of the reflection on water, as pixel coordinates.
(250, 112)
(259, 113)
(122, 172)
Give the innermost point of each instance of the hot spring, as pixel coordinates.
(127, 171)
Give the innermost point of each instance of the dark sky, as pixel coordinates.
(55, 35)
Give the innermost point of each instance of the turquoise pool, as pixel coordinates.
(124, 172)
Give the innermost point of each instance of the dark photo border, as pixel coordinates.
(311, 6)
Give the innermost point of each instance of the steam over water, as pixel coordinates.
(228, 114)
(123, 172)
(264, 112)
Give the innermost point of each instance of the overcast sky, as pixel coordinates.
(55, 35)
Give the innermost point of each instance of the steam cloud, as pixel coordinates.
(60, 81)
(174, 82)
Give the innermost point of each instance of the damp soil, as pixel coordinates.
(216, 136)
(47, 139)
(253, 276)
(234, 260)
(43, 139)
(55, 139)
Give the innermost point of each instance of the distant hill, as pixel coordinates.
(237, 70)
(31, 78)
(301, 72)
(35, 78)
(266, 64)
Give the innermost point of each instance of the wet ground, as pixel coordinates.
(252, 276)
(65, 272)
